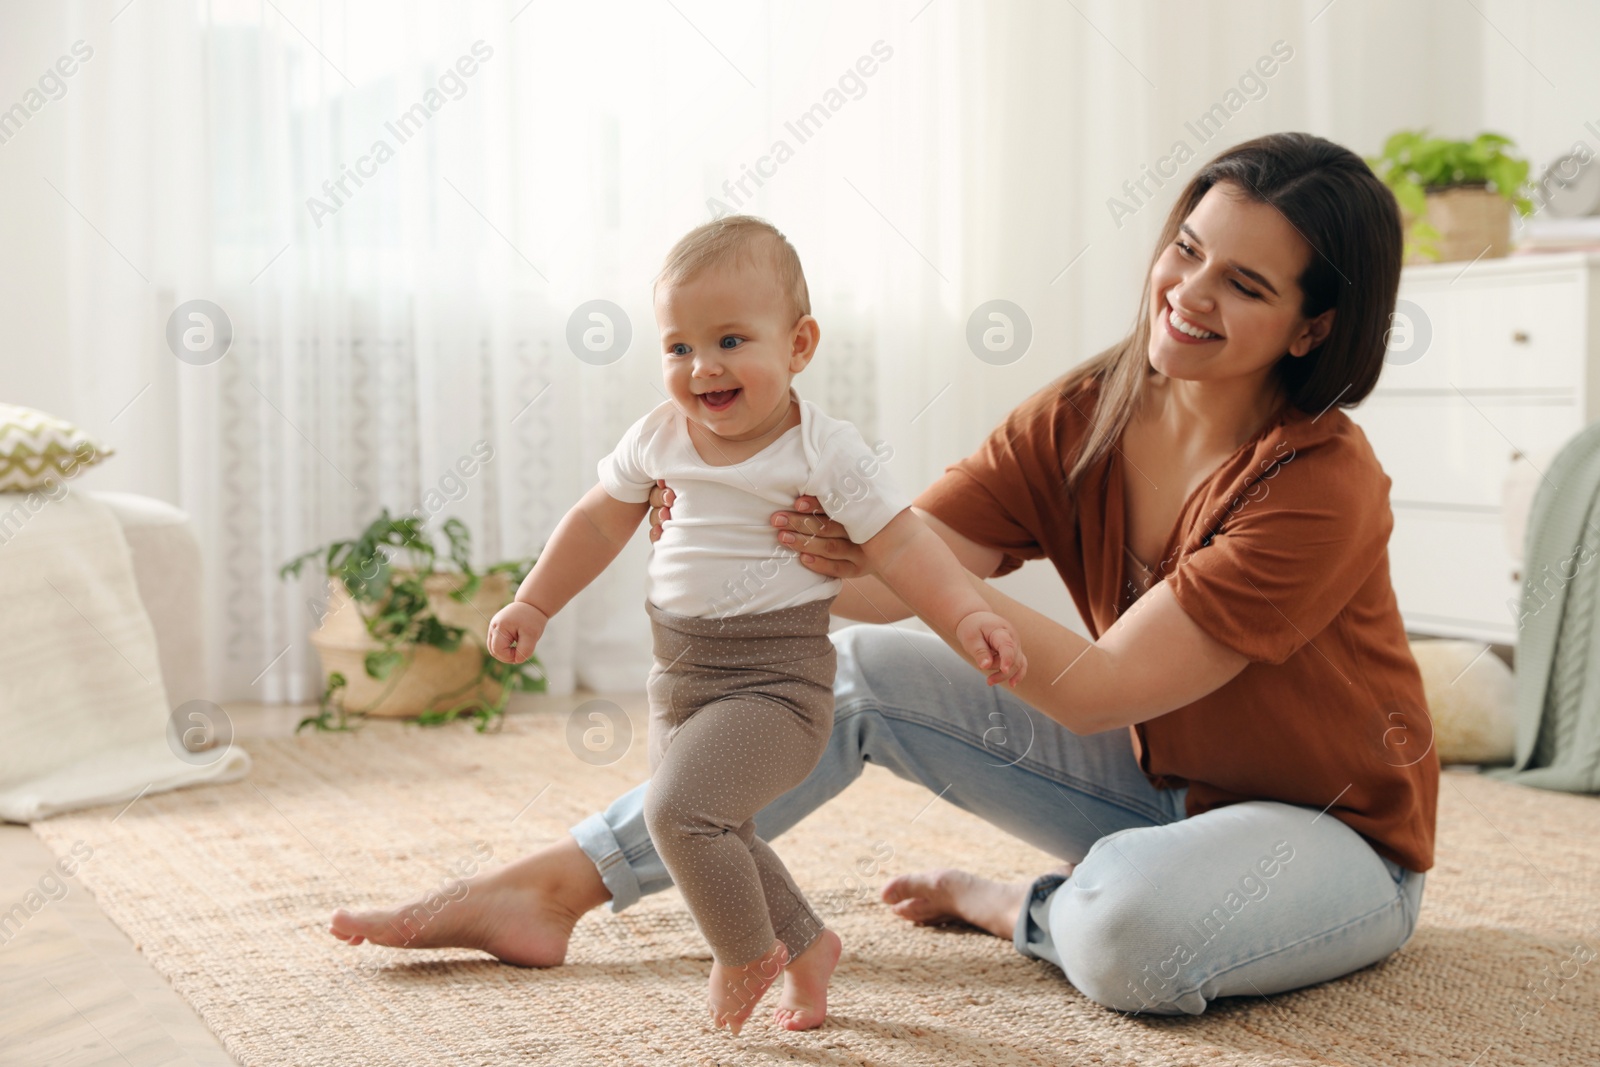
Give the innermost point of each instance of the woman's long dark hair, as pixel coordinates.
(1352, 223)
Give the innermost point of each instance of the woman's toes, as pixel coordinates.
(907, 886)
(348, 927)
(917, 910)
(924, 897)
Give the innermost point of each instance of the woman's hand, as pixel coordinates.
(993, 645)
(661, 500)
(515, 630)
(823, 544)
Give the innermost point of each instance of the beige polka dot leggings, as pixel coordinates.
(740, 711)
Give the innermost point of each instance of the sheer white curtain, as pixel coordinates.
(398, 308)
(399, 207)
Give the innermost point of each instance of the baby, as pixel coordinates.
(741, 693)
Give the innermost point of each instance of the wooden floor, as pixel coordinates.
(74, 991)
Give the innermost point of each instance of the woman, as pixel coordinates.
(1238, 770)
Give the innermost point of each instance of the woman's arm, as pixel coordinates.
(1153, 660)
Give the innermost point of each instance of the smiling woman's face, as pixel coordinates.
(1224, 295)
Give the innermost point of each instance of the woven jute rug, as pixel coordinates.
(227, 891)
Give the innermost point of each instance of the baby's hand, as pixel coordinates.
(514, 630)
(994, 646)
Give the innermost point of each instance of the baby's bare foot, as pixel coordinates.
(939, 896)
(804, 1004)
(522, 913)
(735, 991)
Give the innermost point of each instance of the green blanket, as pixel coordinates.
(1558, 642)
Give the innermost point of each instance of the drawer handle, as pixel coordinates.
(1515, 456)
(1516, 576)
(1520, 336)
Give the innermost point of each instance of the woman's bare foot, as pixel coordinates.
(942, 895)
(804, 1004)
(735, 991)
(522, 913)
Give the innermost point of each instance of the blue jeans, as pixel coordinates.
(1162, 913)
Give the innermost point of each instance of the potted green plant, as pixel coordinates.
(1454, 194)
(407, 640)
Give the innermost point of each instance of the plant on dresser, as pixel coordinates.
(1454, 195)
(1488, 363)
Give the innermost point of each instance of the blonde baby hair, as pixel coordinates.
(735, 238)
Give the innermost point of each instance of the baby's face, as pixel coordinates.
(729, 349)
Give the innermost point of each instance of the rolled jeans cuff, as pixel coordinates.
(594, 836)
(1032, 933)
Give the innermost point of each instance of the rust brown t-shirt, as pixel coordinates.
(1282, 555)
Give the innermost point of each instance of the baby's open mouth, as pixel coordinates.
(720, 399)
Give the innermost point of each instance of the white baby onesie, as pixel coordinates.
(719, 554)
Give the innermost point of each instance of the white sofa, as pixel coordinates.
(167, 569)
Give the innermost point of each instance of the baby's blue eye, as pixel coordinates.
(732, 342)
(679, 350)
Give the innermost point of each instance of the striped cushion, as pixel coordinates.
(37, 449)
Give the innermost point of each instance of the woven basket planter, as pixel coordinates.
(1469, 220)
(427, 678)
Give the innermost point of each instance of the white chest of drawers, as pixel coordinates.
(1487, 363)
